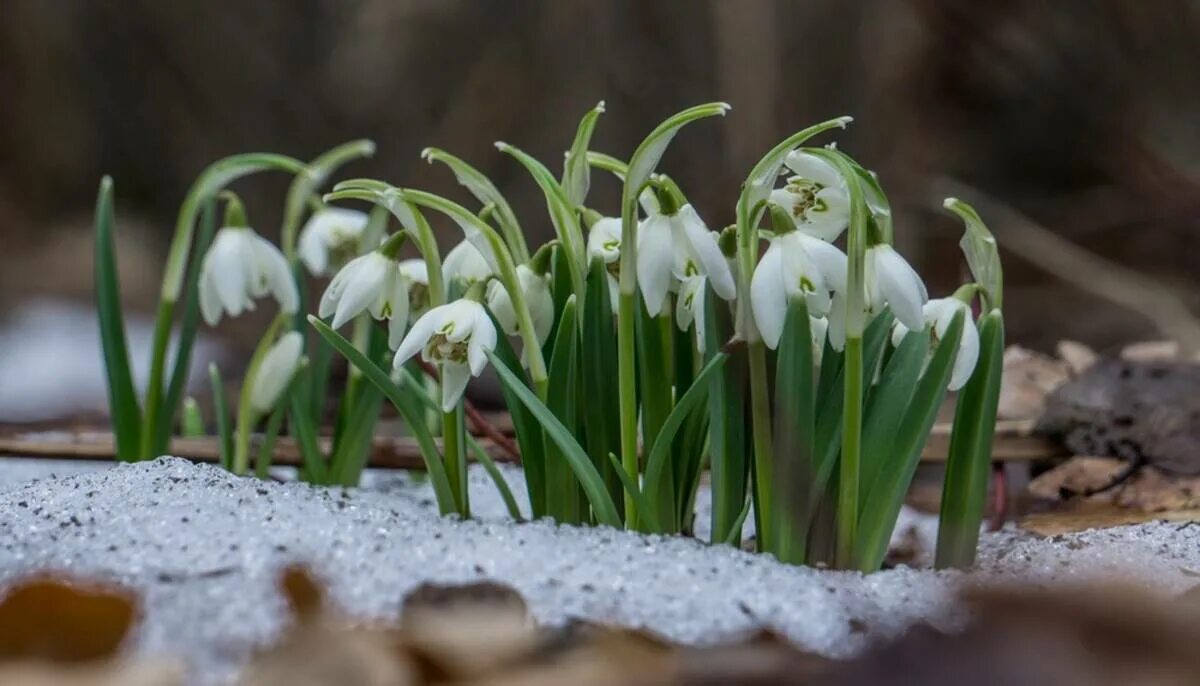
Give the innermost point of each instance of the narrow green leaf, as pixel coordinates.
(795, 427)
(221, 412)
(727, 422)
(607, 163)
(599, 384)
(964, 494)
(650, 519)
(526, 428)
(734, 536)
(486, 193)
(602, 505)
(352, 446)
(647, 155)
(655, 362)
(122, 400)
(658, 460)
(497, 477)
(406, 404)
(883, 501)
(181, 369)
(562, 213)
(193, 420)
(266, 451)
(576, 177)
(563, 499)
(887, 405)
(304, 426)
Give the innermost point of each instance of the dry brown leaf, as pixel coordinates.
(1076, 355)
(53, 619)
(1029, 376)
(141, 673)
(1098, 516)
(1151, 351)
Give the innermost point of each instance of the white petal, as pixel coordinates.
(313, 250)
(420, 333)
(363, 287)
(454, 381)
(483, 340)
(278, 275)
(538, 299)
(466, 263)
(499, 302)
(689, 294)
(899, 285)
(837, 321)
(704, 243)
(398, 307)
(614, 292)
(899, 331)
(415, 270)
(275, 372)
(819, 328)
(224, 264)
(828, 219)
(968, 354)
(768, 300)
(210, 302)
(460, 317)
(698, 306)
(655, 260)
(604, 240)
(333, 292)
(814, 168)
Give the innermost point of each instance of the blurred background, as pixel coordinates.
(1076, 120)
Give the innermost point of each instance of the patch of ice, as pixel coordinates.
(203, 548)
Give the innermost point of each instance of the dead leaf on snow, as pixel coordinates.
(1029, 376)
(1097, 516)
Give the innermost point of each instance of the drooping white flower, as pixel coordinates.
(456, 336)
(374, 283)
(239, 268)
(465, 263)
(795, 265)
(816, 196)
(604, 242)
(536, 290)
(940, 313)
(672, 248)
(890, 281)
(330, 231)
(275, 371)
(417, 273)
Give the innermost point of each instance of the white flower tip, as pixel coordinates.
(949, 203)
(725, 107)
(502, 146)
(368, 148)
(427, 155)
(844, 121)
(599, 107)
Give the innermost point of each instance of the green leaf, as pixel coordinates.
(602, 505)
(266, 451)
(563, 501)
(655, 361)
(983, 256)
(576, 172)
(727, 422)
(599, 384)
(795, 427)
(193, 420)
(629, 483)
(122, 400)
(221, 412)
(486, 193)
(526, 428)
(607, 163)
(408, 407)
(305, 427)
(190, 323)
(562, 213)
(647, 155)
(881, 506)
(964, 494)
(734, 536)
(887, 405)
(352, 446)
(658, 460)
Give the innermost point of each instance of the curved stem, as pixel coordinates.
(246, 416)
(627, 396)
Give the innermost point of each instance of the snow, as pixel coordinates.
(203, 548)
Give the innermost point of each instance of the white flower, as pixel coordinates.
(239, 268)
(796, 264)
(604, 242)
(690, 306)
(677, 247)
(457, 336)
(465, 263)
(816, 197)
(940, 313)
(275, 372)
(332, 230)
(890, 281)
(371, 282)
(536, 289)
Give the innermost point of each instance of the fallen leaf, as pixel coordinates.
(1098, 516)
(1077, 356)
(53, 619)
(1029, 377)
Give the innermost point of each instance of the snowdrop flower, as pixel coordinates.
(239, 268)
(275, 372)
(890, 281)
(816, 197)
(940, 313)
(795, 265)
(536, 289)
(679, 246)
(417, 273)
(374, 283)
(456, 336)
(330, 231)
(604, 242)
(465, 263)
(690, 307)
